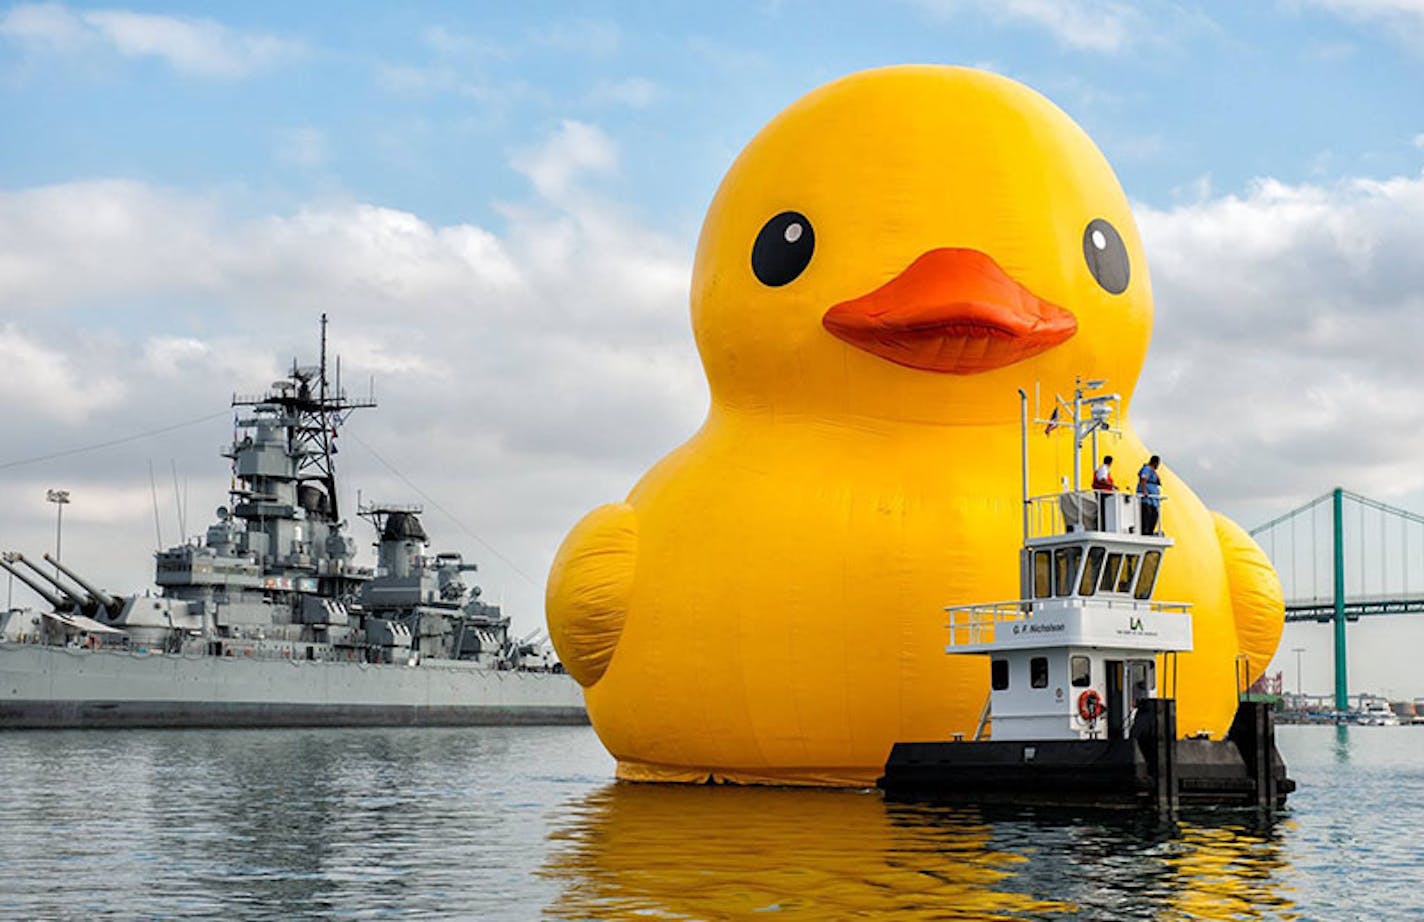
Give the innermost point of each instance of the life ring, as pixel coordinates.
(1090, 705)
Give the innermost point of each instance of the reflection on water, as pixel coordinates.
(1341, 749)
(645, 851)
(510, 823)
(283, 824)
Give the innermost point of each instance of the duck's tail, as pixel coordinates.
(1257, 602)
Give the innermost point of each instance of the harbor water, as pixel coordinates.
(525, 823)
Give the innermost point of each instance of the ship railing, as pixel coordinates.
(976, 624)
(972, 624)
(368, 508)
(1070, 511)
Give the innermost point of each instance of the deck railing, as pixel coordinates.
(974, 624)
(1054, 513)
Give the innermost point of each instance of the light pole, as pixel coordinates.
(60, 498)
(1298, 651)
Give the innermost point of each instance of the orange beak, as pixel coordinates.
(954, 311)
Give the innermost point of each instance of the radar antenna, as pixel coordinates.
(313, 412)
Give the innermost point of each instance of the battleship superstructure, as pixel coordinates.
(269, 619)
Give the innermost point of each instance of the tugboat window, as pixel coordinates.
(1066, 573)
(1042, 572)
(1090, 572)
(1110, 572)
(1038, 672)
(1129, 567)
(1082, 669)
(1150, 561)
(999, 674)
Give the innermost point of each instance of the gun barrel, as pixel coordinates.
(74, 595)
(55, 601)
(104, 599)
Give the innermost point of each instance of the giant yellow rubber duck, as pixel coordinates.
(883, 267)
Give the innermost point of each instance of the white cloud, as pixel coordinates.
(1286, 348)
(44, 24)
(61, 244)
(201, 47)
(633, 92)
(446, 41)
(1087, 26)
(576, 148)
(1402, 19)
(583, 36)
(45, 380)
(525, 372)
(170, 356)
(305, 146)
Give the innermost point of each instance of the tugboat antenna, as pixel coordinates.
(1023, 451)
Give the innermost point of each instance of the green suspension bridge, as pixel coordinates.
(1342, 557)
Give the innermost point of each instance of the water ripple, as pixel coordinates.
(519, 823)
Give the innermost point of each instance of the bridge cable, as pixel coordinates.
(1305, 508)
(1295, 567)
(1362, 549)
(1384, 507)
(1315, 552)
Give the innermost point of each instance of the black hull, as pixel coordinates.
(1151, 771)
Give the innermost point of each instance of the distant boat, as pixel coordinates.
(1375, 712)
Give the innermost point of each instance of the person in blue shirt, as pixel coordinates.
(1149, 492)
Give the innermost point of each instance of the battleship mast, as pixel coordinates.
(314, 410)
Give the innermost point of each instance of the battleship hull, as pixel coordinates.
(67, 687)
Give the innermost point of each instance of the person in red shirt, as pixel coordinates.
(1102, 477)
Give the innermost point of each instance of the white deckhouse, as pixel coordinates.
(1075, 654)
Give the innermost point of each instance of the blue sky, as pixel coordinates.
(422, 107)
(498, 204)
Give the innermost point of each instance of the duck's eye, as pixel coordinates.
(1106, 255)
(783, 249)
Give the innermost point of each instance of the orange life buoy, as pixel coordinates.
(1090, 705)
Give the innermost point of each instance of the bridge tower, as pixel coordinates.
(1331, 601)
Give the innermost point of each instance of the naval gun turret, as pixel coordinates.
(104, 604)
(72, 616)
(58, 603)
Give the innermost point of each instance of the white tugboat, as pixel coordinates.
(1080, 711)
(1073, 660)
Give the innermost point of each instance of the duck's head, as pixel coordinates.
(914, 243)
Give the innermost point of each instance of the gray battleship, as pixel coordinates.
(269, 621)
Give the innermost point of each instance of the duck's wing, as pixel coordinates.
(1257, 602)
(590, 584)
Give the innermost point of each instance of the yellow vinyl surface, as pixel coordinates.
(767, 606)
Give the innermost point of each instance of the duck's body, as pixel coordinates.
(766, 606)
